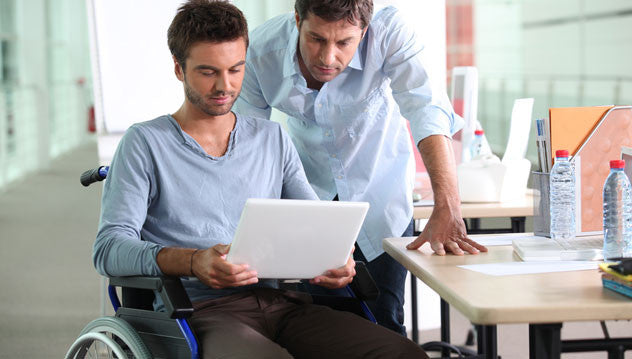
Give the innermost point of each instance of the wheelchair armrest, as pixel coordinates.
(363, 285)
(151, 283)
(170, 289)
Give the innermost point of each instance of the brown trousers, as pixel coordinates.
(272, 323)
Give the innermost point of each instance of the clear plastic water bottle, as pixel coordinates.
(617, 213)
(476, 147)
(562, 198)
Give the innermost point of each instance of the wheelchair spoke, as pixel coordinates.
(111, 353)
(94, 348)
(109, 337)
(99, 349)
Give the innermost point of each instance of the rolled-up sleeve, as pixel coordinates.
(118, 249)
(427, 108)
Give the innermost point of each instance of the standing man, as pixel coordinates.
(348, 82)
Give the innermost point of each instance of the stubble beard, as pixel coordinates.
(198, 101)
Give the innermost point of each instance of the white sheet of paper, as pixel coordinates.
(519, 130)
(496, 240)
(515, 268)
(423, 203)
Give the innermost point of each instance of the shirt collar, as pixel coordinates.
(195, 146)
(356, 61)
(290, 62)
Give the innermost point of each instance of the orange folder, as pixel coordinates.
(571, 126)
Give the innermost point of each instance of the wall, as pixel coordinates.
(44, 83)
(562, 53)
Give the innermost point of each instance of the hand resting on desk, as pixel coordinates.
(445, 230)
(446, 233)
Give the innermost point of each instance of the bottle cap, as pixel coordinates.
(617, 164)
(561, 153)
(479, 132)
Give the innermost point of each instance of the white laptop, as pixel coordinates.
(296, 239)
(536, 248)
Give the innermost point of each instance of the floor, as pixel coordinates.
(49, 289)
(513, 339)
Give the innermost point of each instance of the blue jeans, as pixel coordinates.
(390, 277)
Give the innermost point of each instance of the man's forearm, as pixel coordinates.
(438, 157)
(445, 230)
(175, 261)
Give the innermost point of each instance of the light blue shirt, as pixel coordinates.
(351, 135)
(164, 190)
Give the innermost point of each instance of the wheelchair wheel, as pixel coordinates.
(108, 337)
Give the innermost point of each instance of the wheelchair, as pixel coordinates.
(137, 331)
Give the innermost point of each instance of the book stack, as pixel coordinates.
(614, 278)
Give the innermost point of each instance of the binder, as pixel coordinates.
(613, 131)
(571, 126)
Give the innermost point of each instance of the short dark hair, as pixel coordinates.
(204, 20)
(356, 12)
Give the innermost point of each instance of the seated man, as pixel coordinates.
(174, 195)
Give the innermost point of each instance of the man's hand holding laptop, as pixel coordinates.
(211, 268)
(337, 278)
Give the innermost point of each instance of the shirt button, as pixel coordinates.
(333, 156)
(366, 110)
(327, 133)
(320, 105)
(339, 177)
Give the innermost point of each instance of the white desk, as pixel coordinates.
(517, 210)
(542, 300)
(522, 207)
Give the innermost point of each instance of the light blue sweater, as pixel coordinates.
(163, 190)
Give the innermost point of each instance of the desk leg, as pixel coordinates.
(486, 341)
(413, 304)
(445, 326)
(518, 224)
(475, 225)
(545, 341)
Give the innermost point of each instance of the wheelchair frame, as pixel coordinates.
(164, 334)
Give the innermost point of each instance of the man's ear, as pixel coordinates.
(178, 69)
(298, 21)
